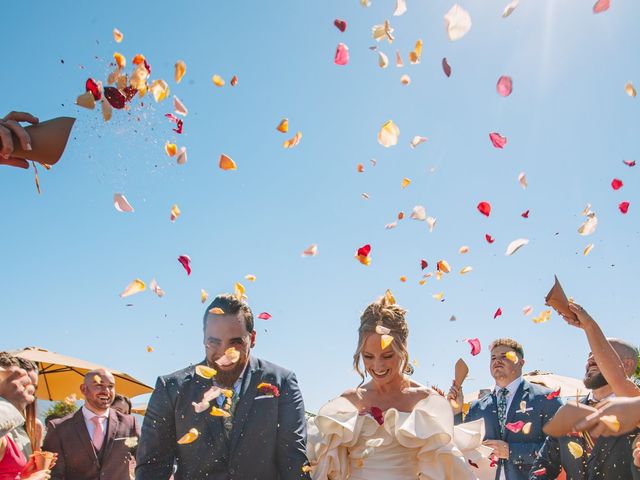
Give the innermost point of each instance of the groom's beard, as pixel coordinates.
(226, 378)
(595, 381)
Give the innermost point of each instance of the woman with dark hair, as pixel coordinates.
(389, 426)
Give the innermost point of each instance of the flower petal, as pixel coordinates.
(226, 163)
(189, 437)
(514, 246)
(601, 6)
(504, 86)
(385, 341)
(446, 68)
(185, 261)
(121, 204)
(217, 80)
(508, 10)
(311, 251)
(475, 346)
(629, 88)
(292, 142)
(418, 213)
(117, 35)
(623, 207)
(283, 126)
(134, 287)
(340, 24)
(401, 8)
(484, 208)
(342, 55)
(388, 135)
(180, 69)
(264, 316)
(457, 22)
(522, 179)
(179, 107)
(175, 213)
(497, 140)
(616, 184)
(417, 140)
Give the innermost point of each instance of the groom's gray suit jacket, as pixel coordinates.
(267, 441)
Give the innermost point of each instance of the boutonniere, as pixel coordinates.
(268, 389)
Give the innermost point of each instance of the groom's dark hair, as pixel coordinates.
(230, 305)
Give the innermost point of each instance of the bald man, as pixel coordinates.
(96, 442)
(607, 458)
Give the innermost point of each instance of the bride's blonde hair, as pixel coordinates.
(386, 313)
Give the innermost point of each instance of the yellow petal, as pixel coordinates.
(203, 295)
(438, 296)
(631, 91)
(611, 421)
(170, 148)
(205, 372)
(134, 287)
(189, 437)
(388, 135)
(588, 249)
(526, 428)
(405, 182)
(390, 299)
(232, 354)
(159, 89)
(385, 341)
(283, 126)
(575, 449)
(216, 311)
(250, 277)
(466, 270)
(544, 316)
(414, 56)
(511, 356)
(438, 275)
(218, 412)
(120, 59)
(464, 249)
(149, 348)
(422, 282)
(292, 142)
(238, 291)
(226, 163)
(403, 279)
(466, 407)
(117, 35)
(217, 80)
(364, 260)
(175, 213)
(179, 70)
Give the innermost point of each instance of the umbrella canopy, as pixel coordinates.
(61, 376)
(569, 387)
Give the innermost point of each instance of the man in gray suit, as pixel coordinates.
(231, 417)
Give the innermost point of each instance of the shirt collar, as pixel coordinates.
(512, 387)
(88, 414)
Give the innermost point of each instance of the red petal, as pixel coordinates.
(484, 208)
(624, 207)
(129, 93)
(540, 472)
(489, 238)
(340, 24)
(515, 427)
(554, 394)
(498, 140)
(115, 97)
(264, 316)
(376, 413)
(423, 264)
(504, 86)
(601, 6)
(629, 163)
(147, 66)
(475, 346)
(176, 120)
(498, 313)
(494, 460)
(616, 184)
(364, 251)
(185, 261)
(525, 214)
(446, 67)
(92, 86)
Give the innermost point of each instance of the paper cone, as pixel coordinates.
(462, 370)
(557, 299)
(565, 419)
(48, 140)
(44, 460)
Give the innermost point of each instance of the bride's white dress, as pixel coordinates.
(422, 444)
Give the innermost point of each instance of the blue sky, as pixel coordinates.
(569, 125)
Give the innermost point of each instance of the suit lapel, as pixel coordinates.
(112, 429)
(248, 391)
(83, 436)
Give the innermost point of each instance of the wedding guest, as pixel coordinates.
(513, 403)
(244, 416)
(121, 404)
(94, 442)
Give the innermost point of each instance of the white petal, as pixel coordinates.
(516, 245)
(457, 22)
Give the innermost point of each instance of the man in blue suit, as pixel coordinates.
(514, 413)
(243, 417)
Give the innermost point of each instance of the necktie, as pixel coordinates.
(230, 406)
(502, 409)
(98, 433)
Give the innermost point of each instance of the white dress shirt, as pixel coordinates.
(513, 388)
(88, 415)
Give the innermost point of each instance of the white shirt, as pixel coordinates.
(513, 388)
(88, 415)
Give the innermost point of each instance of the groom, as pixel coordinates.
(254, 430)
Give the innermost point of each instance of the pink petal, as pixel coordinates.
(185, 261)
(515, 427)
(629, 163)
(264, 316)
(484, 208)
(601, 6)
(497, 314)
(446, 68)
(504, 86)
(342, 55)
(121, 204)
(475, 346)
(498, 140)
(616, 184)
(624, 207)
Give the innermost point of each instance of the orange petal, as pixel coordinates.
(205, 371)
(465, 270)
(175, 213)
(283, 126)
(159, 89)
(149, 349)
(117, 35)
(138, 59)
(120, 59)
(360, 168)
(226, 163)
(217, 80)
(405, 182)
(216, 311)
(189, 437)
(443, 266)
(179, 70)
(250, 277)
(292, 142)
(631, 91)
(403, 279)
(170, 148)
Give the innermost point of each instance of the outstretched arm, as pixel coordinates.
(604, 354)
(291, 451)
(10, 125)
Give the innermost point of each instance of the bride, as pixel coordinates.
(389, 427)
